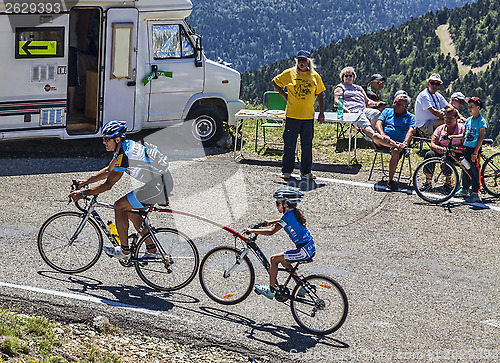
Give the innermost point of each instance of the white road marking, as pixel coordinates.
(406, 191)
(492, 322)
(94, 300)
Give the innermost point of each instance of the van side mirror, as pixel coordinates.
(198, 61)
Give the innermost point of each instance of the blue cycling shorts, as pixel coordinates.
(301, 254)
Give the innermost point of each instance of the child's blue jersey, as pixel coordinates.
(299, 234)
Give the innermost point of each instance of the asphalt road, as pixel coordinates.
(422, 280)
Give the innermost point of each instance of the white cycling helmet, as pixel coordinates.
(288, 194)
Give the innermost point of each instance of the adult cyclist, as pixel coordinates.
(142, 162)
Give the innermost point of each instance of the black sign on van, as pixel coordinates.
(41, 11)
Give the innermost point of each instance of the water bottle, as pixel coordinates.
(340, 108)
(114, 231)
(464, 162)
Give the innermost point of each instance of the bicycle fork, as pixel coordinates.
(239, 258)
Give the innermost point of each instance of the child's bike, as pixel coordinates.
(71, 242)
(445, 179)
(318, 303)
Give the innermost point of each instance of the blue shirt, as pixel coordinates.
(298, 233)
(396, 127)
(472, 127)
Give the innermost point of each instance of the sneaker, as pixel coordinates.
(462, 192)
(286, 175)
(393, 185)
(308, 176)
(116, 252)
(265, 290)
(472, 198)
(426, 186)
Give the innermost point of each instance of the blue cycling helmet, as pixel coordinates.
(114, 128)
(288, 194)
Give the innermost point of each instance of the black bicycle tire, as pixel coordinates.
(294, 303)
(436, 160)
(54, 265)
(488, 161)
(207, 289)
(186, 281)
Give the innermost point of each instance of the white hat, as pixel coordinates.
(459, 96)
(435, 77)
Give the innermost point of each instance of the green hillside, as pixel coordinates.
(407, 55)
(252, 33)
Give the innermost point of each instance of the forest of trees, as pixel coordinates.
(252, 33)
(406, 55)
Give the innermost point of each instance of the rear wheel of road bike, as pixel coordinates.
(444, 183)
(490, 174)
(175, 264)
(69, 245)
(323, 307)
(225, 277)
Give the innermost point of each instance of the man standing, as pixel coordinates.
(374, 87)
(395, 125)
(429, 106)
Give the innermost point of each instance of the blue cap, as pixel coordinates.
(303, 54)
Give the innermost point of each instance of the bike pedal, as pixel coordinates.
(256, 291)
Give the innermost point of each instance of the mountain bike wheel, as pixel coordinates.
(443, 185)
(323, 308)
(490, 175)
(225, 277)
(68, 246)
(174, 266)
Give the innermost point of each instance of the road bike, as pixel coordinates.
(445, 179)
(318, 303)
(71, 242)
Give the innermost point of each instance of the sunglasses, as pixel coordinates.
(107, 139)
(348, 75)
(278, 203)
(437, 84)
(379, 82)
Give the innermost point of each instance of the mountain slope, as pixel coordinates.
(251, 33)
(406, 55)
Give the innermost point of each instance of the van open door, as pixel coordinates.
(120, 65)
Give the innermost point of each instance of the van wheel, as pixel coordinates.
(206, 125)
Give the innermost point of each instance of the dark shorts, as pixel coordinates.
(155, 191)
(73, 77)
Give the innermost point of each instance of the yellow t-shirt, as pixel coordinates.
(302, 90)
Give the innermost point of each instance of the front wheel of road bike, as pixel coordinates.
(226, 277)
(435, 180)
(490, 175)
(319, 305)
(173, 266)
(68, 243)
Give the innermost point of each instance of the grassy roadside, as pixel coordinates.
(35, 339)
(326, 147)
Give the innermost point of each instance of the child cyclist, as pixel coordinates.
(294, 223)
(475, 128)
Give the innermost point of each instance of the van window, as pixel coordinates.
(171, 41)
(47, 42)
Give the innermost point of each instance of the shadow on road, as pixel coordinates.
(137, 296)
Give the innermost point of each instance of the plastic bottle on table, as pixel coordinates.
(340, 108)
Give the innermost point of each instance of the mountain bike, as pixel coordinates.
(71, 242)
(318, 303)
(436, 179)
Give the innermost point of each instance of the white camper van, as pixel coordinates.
(68, 66)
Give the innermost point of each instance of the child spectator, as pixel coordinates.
(475, 128)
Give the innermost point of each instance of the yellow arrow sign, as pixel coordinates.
(37, 47)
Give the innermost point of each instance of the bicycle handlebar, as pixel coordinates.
(74, 186)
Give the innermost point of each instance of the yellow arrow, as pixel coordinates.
(37, 47)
